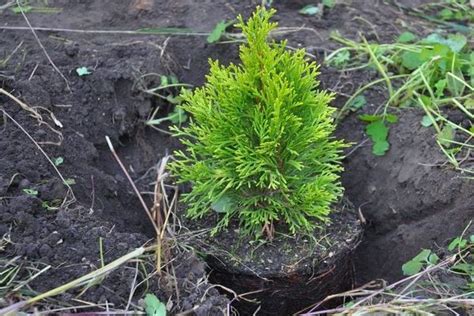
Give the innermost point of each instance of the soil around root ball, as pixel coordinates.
(288, 273)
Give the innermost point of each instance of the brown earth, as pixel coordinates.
(409, 200)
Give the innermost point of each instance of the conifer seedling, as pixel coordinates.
(259, 145)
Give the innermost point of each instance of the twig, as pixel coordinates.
(36, 115)
(145, 207)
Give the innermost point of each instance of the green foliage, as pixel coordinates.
(310, 9)
(259, 145)
(31, 192)
(424, 258)
(153, 306)
(465, 266)
(432, 73)
(25, 7)
(329, 3)
(357, 103)
(377, 130)
(406, 37)
(58, 161)
(83, 71)
(454, 10)
(462, 246)
(219, 31)
(166, 91)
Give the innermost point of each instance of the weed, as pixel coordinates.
(260, 145)
(435, 73)
(219, 31)
(454, 15)
(27, 6)
(166, 90)
(83, 71)
(378, 131)
(31, 192)
(462, 247)
(58, 161)
(414, 266)
(317, 10)
(153, 306)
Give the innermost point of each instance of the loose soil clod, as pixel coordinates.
(286, 275)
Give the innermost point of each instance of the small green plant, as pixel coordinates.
(153, 306)
(26, 6)
(31, 192)
(259, 146)
(452, 10)
(166, 91)
(219, 31)
(377, 130)
(425, 258)
(318, 9)
(462, 247)
(435, 74)
(83, 71)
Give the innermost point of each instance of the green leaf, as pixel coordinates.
(153, 306)
(426, 121)
(422, 256)
(446, 135)
(455, 85)
(163, 81)
(329, 3)
(369, 118)
(310, 9)
(377, 131)
(465, 268)
(380, 148)
(469, 104)
(18, 9)
(31, 192)
(411, 267)
(406, 37)
(223, 205)
(217, 32)
(433, 258)
(173, 79)
(455, 42)
(411, 60)
(457, 242)
(446, 14)
(83, 71)
(341, 58)
(441, 50)
(58, 161)
(426, 256)
(178, 116)
(358, 102)
(440, 85)
(28, 8)
(391, 118)
(70, 181)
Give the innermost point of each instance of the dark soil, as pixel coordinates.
(286, 275)
(409, 199)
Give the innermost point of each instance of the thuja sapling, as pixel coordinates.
(259, 145)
